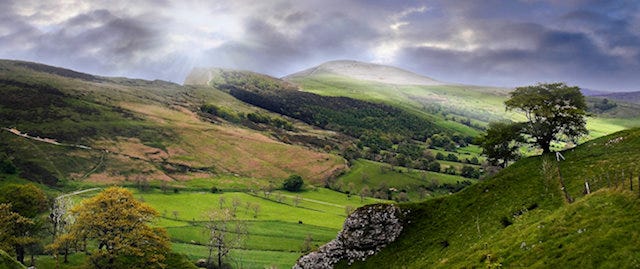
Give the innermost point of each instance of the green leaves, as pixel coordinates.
(553, 110)
(501, 142)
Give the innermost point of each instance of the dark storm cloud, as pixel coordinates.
(590, 43)
(272, 50)
(102, 34)
(573, 42)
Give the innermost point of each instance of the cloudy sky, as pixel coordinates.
(589, 43)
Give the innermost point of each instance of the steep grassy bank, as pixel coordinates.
(521, 218)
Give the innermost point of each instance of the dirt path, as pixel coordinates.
(46, 140)
(77, 192)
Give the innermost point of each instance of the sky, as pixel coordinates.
(587, 43)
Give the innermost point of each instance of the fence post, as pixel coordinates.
(586, 187)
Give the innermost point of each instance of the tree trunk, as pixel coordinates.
(219, 255)
(19, 253)
(546, 146)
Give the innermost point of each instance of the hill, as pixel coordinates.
(466, 108)
(366, 71)
(630, 97)
(126, 130)
(522, 218)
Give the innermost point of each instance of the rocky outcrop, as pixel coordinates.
(364, 233)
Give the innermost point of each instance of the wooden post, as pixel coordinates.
(586, 187)
(631, 181)
(564, 189)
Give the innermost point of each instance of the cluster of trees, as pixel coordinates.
(112, 227)
(554, 112)
(378, 126)
(604, 105)
(253, 117)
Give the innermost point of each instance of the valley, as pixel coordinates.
(356, 133)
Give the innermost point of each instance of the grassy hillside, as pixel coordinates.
(463, 108)
(125, 130)
(347, 115)
(522, 218)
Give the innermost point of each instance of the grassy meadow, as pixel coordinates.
(275, 236)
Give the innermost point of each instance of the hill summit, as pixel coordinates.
(367, 71)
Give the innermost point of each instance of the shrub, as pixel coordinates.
(469, 172)
(293, 183)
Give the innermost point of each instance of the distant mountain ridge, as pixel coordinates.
(629, 97)
(369, 72)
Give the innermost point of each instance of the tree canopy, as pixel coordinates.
(293, 183)
(501, 142)
(20, 206)
(553, 110)
(26, 199)
(118, 223)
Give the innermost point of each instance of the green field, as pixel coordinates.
(377, 175)
(275, 237)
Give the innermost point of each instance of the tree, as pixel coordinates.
(552, 110)
(224, 233)
(293, 183)
(61, 220)
(501, 142)
(27, 201)
(434, 166)
(118, 223)
(297, 200)
(14, 231)
(469, 172)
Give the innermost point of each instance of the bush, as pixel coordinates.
(451, 157)
(293, 183)
(434, 166)
(7, 167)
(469, 172)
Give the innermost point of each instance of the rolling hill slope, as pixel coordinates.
(522, 218)
(466, 108)
(131, 130)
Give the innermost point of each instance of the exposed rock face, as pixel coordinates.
(365, 232)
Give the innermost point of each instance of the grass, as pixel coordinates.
(243, 258)
(480, 104)
(275, 237)
(520, 218)
(374, 175)
(150, 129)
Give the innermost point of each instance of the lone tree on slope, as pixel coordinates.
(552, 110)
